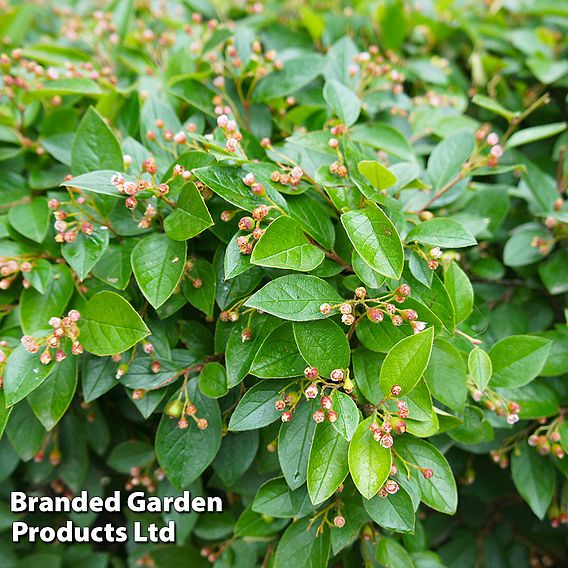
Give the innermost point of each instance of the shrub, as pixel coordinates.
(308, 260)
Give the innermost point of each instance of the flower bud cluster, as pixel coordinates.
(497, 403)
(252, 225)
(182, 410)
(547, 439)
(63, 328)
(11, 267)
(376, 312)
(229, 128)
(67, 225)
(291, 178)
(486, 138)
(145, 478)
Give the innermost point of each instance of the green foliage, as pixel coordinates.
(308, 258)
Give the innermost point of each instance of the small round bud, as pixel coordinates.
(74, 315)
(336, 375)
(311, 373)
(396, 390)
(318, 416)
(332, 416)
(249, 179)
(246, 224)
(403, 290)
(391, 487)
(361, 292)
(138, 394)
(325, 309)
(311, 391)
(496, 151)
(45, 358)
(260, 212)
(345, 308)
(375, 315)
(280, 405)
(202, 423)
(258, 189)
(326, 402)
(155, 367)
(286, 416)
(386, 441)
(428, 473)
(339, 521)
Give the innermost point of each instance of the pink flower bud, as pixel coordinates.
(60, 355)
(336, 375)
(318, 416)
(249, 179)
(496, 151)
(131, 202)
(76, 348)
(74, 315)
(348, 319)
(326, 402)
(325, 309)
(45, 358)
(339, 521)
(492, 139)
(311, 373)
(391, 487)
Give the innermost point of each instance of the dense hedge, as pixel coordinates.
(308, 258)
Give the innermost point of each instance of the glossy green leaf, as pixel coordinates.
(448, 158)
(284, 245)
(31, 219)
(256, 408)
(190, 217)
(101, 334)
(295, 443)
(376, 239)
(51, 399)
(213, 380)
(406, 362)
(295, 297)
(534, 478)
(158, 264)
(95, 147)
(517, 360)
(442, 233)
(480, 367)
(379, 177)
(323, 344)
(85, 251)
(184, 454)
(278, 356)
(369, 462)
(327, 465)
(300, 545)
(343, 101)
(24, 373)
(393, 512)
(439, 492)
